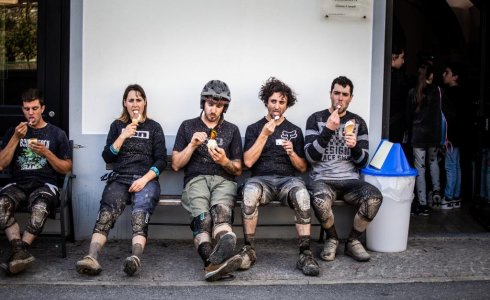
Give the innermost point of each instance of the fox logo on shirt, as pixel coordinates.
(288, 135)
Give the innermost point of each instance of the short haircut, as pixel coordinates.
(457, 69)
(32, 94)
(396, 49)
(343, 81)
(274, 85)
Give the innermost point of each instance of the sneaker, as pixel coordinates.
(20, 259)
(307, 264)
(216, 272)
(457, 203)
(420, 210)
(248, 257)
(132, 265)
(446, 203)
(88, 266)
(329, 249)
(224, 249)
(356, 250)
(436, 197)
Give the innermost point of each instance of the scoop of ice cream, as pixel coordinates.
(349, 126)
(276, 118)
(212, 144)
(136, 117)
(30, 141)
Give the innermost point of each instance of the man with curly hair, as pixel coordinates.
(274, 153)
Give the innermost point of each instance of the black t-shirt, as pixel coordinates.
(228, 137)
(139, 153)
(274, 160)
(29, 166)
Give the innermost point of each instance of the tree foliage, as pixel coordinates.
(21, 32)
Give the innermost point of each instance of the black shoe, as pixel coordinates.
(224, 249)
(131, 265)
(307, 264)
(424, 210)
(20, 259)
(420, 210)
(221, 271)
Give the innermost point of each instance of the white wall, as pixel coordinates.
(172, 48)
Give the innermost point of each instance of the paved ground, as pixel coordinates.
(442, 248)
(453, 257)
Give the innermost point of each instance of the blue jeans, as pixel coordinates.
(453, 174)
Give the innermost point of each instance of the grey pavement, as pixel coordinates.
(429, 258)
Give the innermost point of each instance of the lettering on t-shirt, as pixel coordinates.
(30, 160)
(141, 134)
(336, 149)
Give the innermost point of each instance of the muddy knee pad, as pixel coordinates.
(369, 208)
(251, 199)
(202, 224)
(321, 202)
(139, 222)
(222, 216)
(105, 220)
(7, 208)
(299, 200)
(39, 213)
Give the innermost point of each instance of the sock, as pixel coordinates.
(332, 232)
(304, 243)
(354, 235)
(250, 240)
(94, 250)
(137, 250)
(204, 251)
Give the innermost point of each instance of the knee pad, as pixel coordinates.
(299, 200)
(322, 205)
(202, 223)
(39, 213)
(7, 208)
(105, 220)
(139, 221)
(221, 214)
(252, 194)
(369, 208)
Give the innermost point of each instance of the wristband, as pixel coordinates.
(113, 150)
(154, 169)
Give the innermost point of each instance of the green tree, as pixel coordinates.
(21, 32)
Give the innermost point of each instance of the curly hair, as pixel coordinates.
(274, 85)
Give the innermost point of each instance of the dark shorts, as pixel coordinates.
(23, 195)
(276, 187)
(353, 191)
